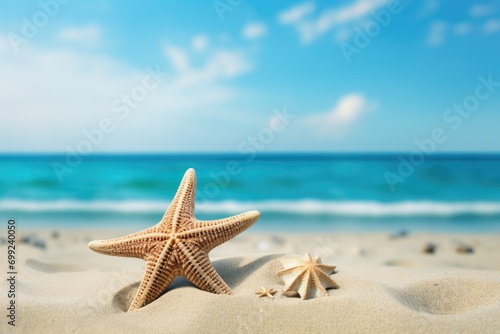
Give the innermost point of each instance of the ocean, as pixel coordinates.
(294, 192)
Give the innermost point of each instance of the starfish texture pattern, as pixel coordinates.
(308, 277)
(177, 246)
(263, 292)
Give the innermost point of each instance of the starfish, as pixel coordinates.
(308, 277)
(177, 246)
(263, 292)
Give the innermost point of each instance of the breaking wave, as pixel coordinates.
(293, 207)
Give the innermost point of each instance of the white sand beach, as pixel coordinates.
(387, 285)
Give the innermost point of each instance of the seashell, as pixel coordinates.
(308, 277)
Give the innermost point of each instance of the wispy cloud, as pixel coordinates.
(69, 91)
(254, 30)
(437, 32)
(330, 18)
(296, 13)
(428, 8)
(462, 28)
(4, 44)
(73, 91)
(200, 43)
(219, 64)
(440, 30)
(481, 10)
(491, 26)
(89, 35)
(177, 57)
(346, 111)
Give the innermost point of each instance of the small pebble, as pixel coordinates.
(33, 241)
(464, 249)
(399, 234)
(429, 248)
(277, 240)
(292, 294)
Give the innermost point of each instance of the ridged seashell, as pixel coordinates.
(308, 277)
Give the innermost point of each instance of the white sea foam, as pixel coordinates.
(300, 207)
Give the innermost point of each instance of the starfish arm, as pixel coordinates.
(307, 257)
(317, 287)
(293, 277)
(182, 206)
(160, 272)
(293, 263)
(134, 245)
(327, 280)
(326, 268)
(305, 290)
(198, 270)
(210, 234)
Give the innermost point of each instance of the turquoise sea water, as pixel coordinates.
(294, 192)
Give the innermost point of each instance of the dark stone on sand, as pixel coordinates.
(399, 234)
(465, 249)
(277, 240)
(429, 248)
(291, 294)
(33, 241)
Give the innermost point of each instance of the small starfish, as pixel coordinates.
(308, 277)
(177, 246)
(263, 292)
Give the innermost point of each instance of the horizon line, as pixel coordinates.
(257, 154)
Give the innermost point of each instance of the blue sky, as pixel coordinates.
(233, 66)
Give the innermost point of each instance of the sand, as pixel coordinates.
(387, 285)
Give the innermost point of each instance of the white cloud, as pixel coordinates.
(310, 29)
(491, 26)
(428, 9)
(67, 92)
(462, 28)
(254, 30)
(296, 13)
(177, 57)
(437, 32)
(342, 35)
(89, 35)
(72, 92)
(346, 111)
(221, 64)
(4, 44)
(481, 10)
(200, 43)
(354, 11)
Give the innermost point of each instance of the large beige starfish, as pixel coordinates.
(177, 246)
